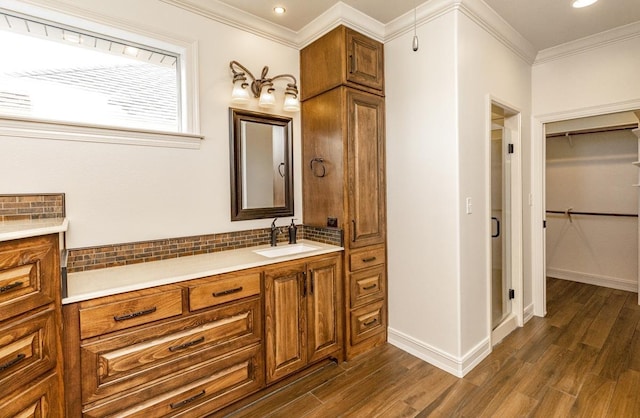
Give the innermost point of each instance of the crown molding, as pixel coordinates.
(231, 16)
(588, 43)
(341, 14)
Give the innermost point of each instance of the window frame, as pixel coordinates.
(186, 50)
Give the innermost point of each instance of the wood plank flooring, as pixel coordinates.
(582, 360)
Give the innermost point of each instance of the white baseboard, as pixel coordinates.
(528, 313)
(594, 279)
(441, 359)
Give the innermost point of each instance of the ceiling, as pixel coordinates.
(544, 23)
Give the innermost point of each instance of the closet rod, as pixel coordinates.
(593, 131)
(571, 212)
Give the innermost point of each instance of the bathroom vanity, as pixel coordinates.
(189, 336)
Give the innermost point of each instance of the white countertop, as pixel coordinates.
(110, 281)
(31, 228)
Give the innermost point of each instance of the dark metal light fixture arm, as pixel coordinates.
(257, 83)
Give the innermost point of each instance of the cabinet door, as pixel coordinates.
(365, 60)
(323, 308)
(366, 169)
(285, 315)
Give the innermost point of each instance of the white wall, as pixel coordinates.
(422, 184)
(123, 193)
(582, 82)
(437, 144)
(593, 173)
(486, 68)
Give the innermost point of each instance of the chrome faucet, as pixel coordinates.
(274, 233)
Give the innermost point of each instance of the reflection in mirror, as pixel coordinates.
(261, 165)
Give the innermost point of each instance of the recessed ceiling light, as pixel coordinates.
(582, 3)
(279, 10)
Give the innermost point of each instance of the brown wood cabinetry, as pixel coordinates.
(30, 314)
(341, 57)
(192, 348)
(344, 169)
(185, 349)
(303, 315)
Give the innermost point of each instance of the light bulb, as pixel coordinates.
(267, 99)
(291, 103)
(239, 95)
(582, 3)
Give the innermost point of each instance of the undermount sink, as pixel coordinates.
(285, 250)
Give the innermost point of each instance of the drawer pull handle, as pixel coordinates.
(227, 292)
(134, 314)
(12, 362)
(368, 259)
(187, 401)
(370, 322)
(372, 286)
(10, 287)
(186, 345)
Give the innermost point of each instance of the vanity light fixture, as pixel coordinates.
(578, 4)
(262, 88)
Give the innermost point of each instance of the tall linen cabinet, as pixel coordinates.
(343, 148)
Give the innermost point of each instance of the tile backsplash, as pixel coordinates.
(92, 258)
(31, 206)
(52, 205)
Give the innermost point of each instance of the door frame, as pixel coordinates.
(513, 123)
(538, 196)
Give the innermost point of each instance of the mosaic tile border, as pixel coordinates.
(20, 207)
(93, 258)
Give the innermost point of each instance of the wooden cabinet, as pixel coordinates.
(30, 314)
(343, 148)
(192, 348)
(303, 316)
(342, 57)
(184, 349)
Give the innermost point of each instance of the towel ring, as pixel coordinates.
(313, 170)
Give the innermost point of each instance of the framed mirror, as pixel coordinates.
(261, 165)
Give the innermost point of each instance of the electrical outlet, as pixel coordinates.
(332, 222)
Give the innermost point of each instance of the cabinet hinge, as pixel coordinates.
(544, 223)
(510, 149)
(512, 294)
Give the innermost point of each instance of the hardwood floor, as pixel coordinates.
(582, 360)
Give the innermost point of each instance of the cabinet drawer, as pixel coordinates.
(122, 314)
(228, 288)
(367, 321)
(367, 258)
(27, 349)
(40, 399)
(137, 358)
(367, 286)
(198, 392)
(29, 274)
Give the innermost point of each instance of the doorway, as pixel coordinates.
(506, 222)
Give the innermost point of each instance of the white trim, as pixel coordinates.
(598, 40)
(513, 124)
(528, 313)
(505, 328)
(595, 279)
(439, 358)
(538, 162)
(81, 18)
(40, 129)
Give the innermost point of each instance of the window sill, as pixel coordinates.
(68, 131)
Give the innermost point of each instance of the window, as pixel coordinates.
(54, 72)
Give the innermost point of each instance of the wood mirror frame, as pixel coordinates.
(240, 210)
